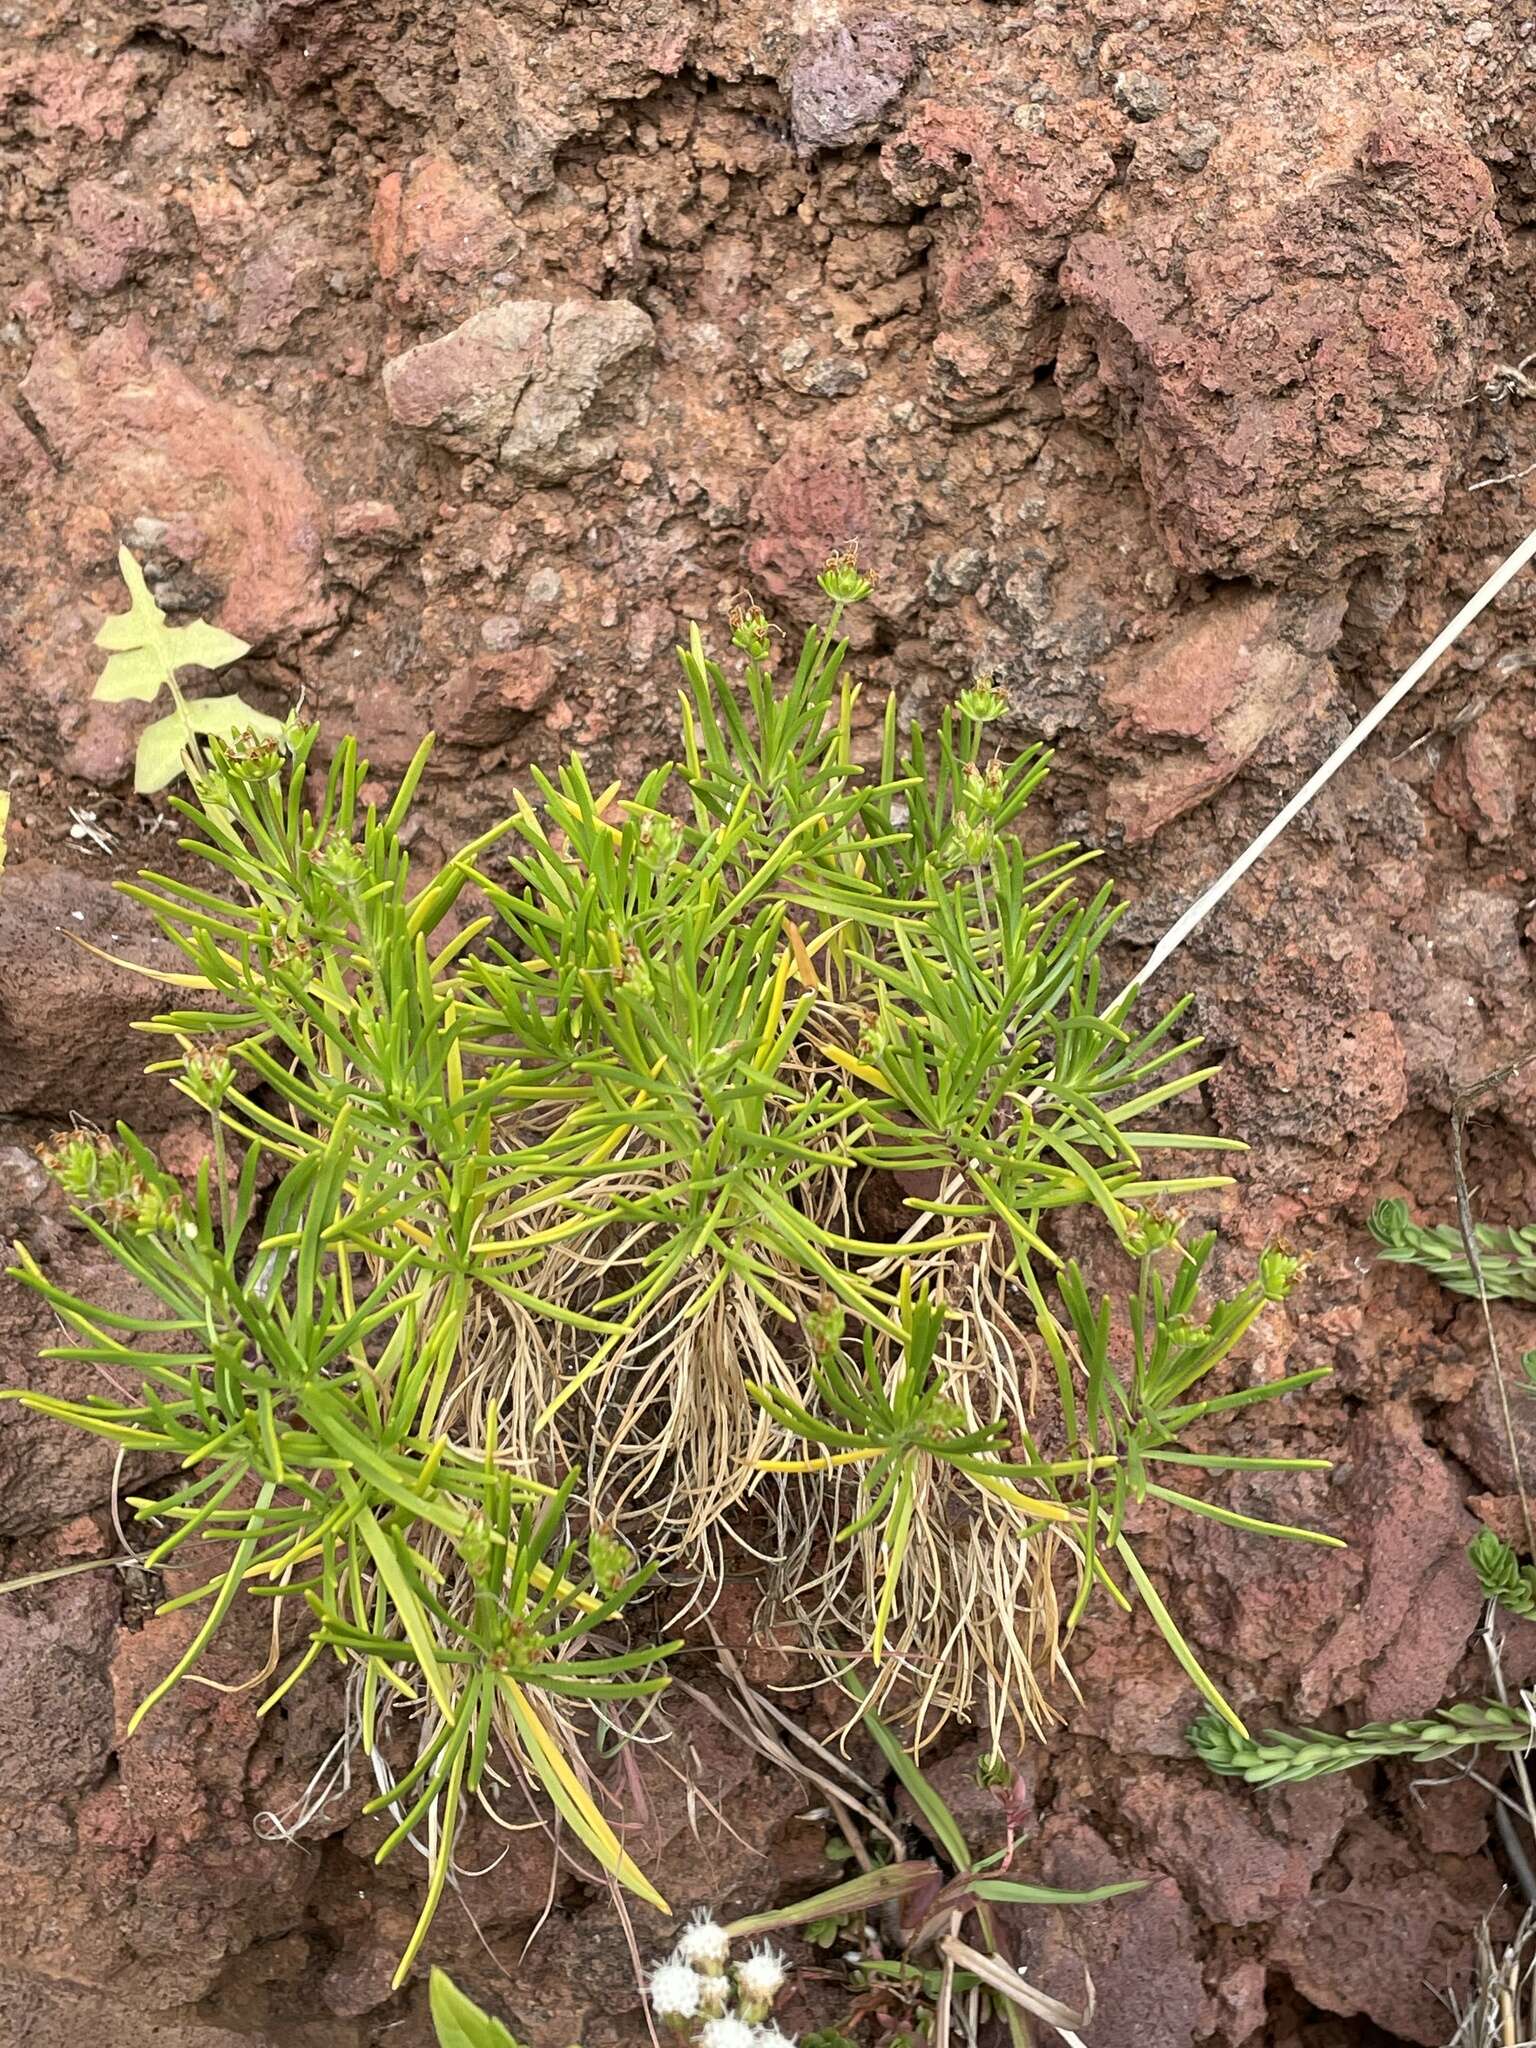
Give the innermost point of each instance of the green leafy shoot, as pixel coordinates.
(1507, 1256)
(294, 1346)
(1503, 1578)
(1278, 1758)
(1143, 1419)
(459, 2022)
(893, 1434)
(143, 656)
(908, 1439)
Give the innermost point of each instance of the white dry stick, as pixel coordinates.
(1201, 908)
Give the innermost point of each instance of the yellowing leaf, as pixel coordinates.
(121, 632)
(137, 672)
(145, 653)
(542, 1753)
(158, 761)
(805, 966)
(862, 1068)
(5, 819)
(138, 590)
(197, 981)
(225, 716)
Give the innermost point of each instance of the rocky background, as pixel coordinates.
(455, 355)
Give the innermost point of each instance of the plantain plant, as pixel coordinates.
(693, 1191)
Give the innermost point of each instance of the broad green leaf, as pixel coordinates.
(1008, 1891)
(199, 645)
(942, 1825)
(460, 2023)
(158, 761)
(145, 652)
(857, 1895)
(142, 623)
(137, 673)
(161, 744)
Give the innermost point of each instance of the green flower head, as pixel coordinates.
(843, 580)
(983, 701)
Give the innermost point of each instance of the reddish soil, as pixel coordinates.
(1151, 348)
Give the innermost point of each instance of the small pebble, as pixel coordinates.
(835, 377)
(1194, 151)
(1142, 97)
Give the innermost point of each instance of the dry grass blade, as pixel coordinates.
(1002, 1978)
(832, 1776)
(1501, 2010)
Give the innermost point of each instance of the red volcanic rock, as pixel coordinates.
(843, 79)
(136, 436)
(534, 386)
(1383, 1939)
(1206, 697)
(66, 1046)
(1288, 379)
(840, 483)
(1011, 182)
(815, 500)
(1139, 1950)
(283, 281)
(435, 217)
(115, 233)
(24, 461)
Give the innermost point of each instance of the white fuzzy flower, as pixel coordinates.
(773, 2037)
(728, 2032)
(675, 1991)
(704, 1944)
(760, 1978)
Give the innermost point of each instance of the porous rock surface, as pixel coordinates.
(455, 355)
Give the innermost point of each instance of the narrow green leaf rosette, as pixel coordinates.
(674, 1169)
